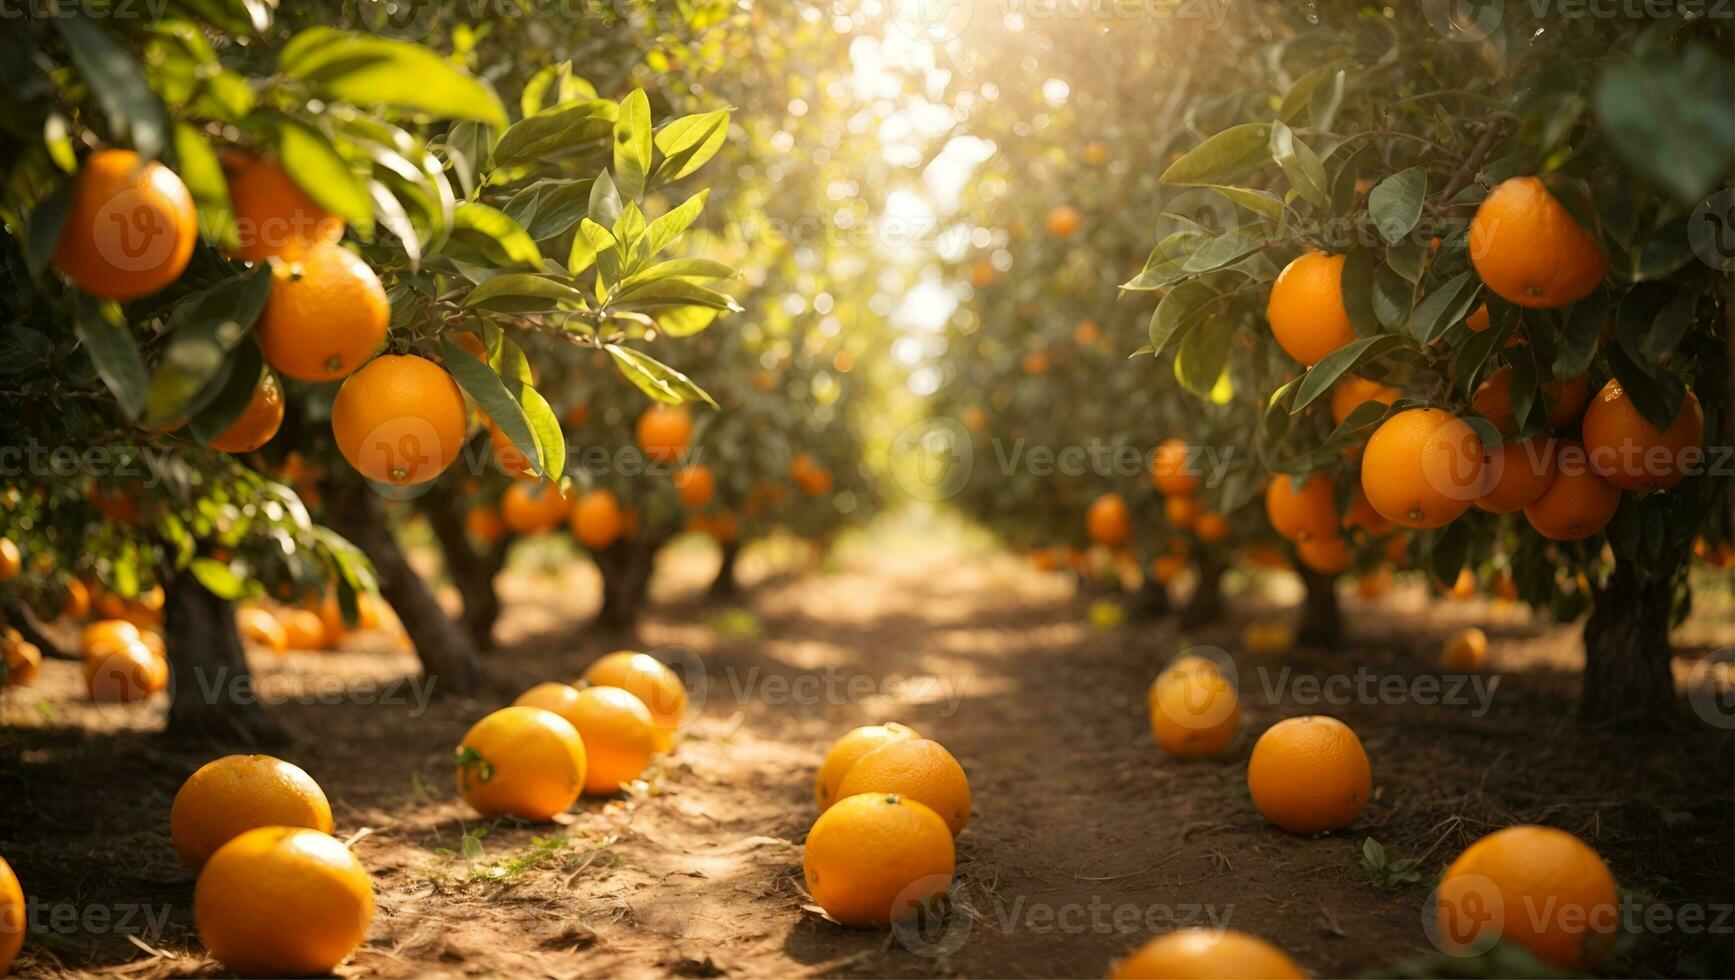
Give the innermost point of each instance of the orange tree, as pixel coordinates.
(211, 304)
(1460, 234)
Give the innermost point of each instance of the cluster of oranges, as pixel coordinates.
(531, 760)
(122, 651)
(890, 805)
(312, 625)
(129, 232)
(122, 662)
(277, 894)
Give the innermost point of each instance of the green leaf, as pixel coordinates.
(1203, 352)
(1667, 115)
(315, 166)
(240, 377)
(1167, 262)
(688, 142)
(494, 235)
(1301, 165)
(218, 579)
(1357, 285)
(116, 82)
(1235, 151)
(1451, 546)
(203, 331)
(685, 321)
(42, 229)
(197, 165)
(1263, 203)
(1319, 378)
(605, 201)
(672, 292)
(495, 400)
(1395, 203)
(546, 425)
(632, 144)
(368, 70)
(674, 223)
(654, 378)
(689, 269)
(525, 292)
(1448, 304)
(556, 131)
(1578, 342)
(1178, 312)
(108, 339)
(549, 208)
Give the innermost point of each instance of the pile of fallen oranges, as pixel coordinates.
(890, 804)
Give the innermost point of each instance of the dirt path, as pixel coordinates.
(1083, 839)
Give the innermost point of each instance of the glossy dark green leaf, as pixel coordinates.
(203, 331)
(369, 70)
(117, 83)
(1446, 305)
(108, 339)
(1395, 204)
(1333, 366)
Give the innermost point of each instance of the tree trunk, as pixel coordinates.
(447, 652)
(1151, 601)
(1321, 622)
(1206, 605)
(1626, 650)
(472, 569)
(724, 585)
(212, 692)
(626, 568)
(16, 614)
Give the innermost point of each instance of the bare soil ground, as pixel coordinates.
(1084, 839)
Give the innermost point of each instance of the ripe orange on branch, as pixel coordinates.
(532, 506)
(1529, 248)
(1064, 221)
(1172, 470)
(1578, 503)
(273, 215)
(1107, 522)
(399, 420)
(597, 519)
(130, 228)
(1299, 514)
(327, 313)
(258, 422)
(664, 432)
(1631, 453)
(1422, 468)
(695, 485)
(1306, 308)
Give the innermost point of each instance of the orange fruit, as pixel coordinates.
(1306, 310)
(1300, 514)
(1567, 399)
(872, 859)
(283, 901)
(1309, 774)
(1166, 568)
(1194, 711)
(130, 672)
(273, 215)
(13, 919)
(1374, 584)
(1422, 468)
(331, 619)
(1172, 470)
(597, 520)
(1530, 250)
(303, 629)
(1478, 320)
(1463, 587)
(1465, 649)
(1352, 392)
(257, 626)
(532, 506)
(521, 761)
(1266, 556)
(1721, 556)
(77, 604)
(105, 634)
(695, 485)
(918, 769)
(11, 561)
(982, 274)
(1182, 512)
(1064, 220)
(484, 523)
(1505, 587)
(1492, 400)
(1515, 474)
(1211, 527)
(1536, 887)
(23, 662)
(258, 422)
(848, 750)
(228, 796)
(1628, 451)
(327, 313)
(651, 681)
(1094, 153)
(1361, 513)
(129, 229)
(1200, 952)
(1106, 521)
(1578, 503)
(1034, 363)
(975, 419)
(619, 737)
(511, 460)
(1328, 556)
(399, 420)
(1086, 333)
(664, 432)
